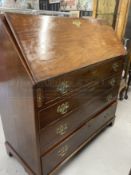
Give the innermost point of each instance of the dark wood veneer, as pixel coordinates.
(52, 159)
(17, 102)
(98, 95)
(58, 88)
(54, 88)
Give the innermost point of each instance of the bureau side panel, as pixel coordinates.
(16, 102)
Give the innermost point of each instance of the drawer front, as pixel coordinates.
(53, 158)
(55, 88)
(104, 93)
(58, 131)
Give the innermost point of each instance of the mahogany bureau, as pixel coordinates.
(59, 81)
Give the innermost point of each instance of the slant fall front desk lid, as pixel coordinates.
(51, 46)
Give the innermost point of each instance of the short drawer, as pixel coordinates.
(55, 88)
(102, 94)
(57, 155)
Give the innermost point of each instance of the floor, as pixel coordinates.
(108, 154)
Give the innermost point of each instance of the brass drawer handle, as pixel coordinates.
(63, 109)
(61, 130)
(109, 98)
(112, 82)
(63, 151)
(115, 67)
(63, 87)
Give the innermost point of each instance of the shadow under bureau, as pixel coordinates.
(59, 82)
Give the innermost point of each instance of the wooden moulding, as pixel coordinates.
(122, 17)
(12, 153)
(95, 4)
(120, 14)
(106, 10)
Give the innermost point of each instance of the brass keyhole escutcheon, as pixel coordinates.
(77, 23)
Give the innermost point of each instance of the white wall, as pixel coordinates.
(19, 3)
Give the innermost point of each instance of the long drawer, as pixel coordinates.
(55, 88)
(53, 158)
(57, 131)
(102, 94)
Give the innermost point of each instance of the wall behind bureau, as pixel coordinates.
(20, 4)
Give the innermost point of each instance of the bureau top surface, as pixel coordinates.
(54, 45)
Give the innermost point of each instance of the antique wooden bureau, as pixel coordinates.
(59, 81)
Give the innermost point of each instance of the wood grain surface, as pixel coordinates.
(55, 45)
(17, 102)
(75, 118)
(96, 95)
(52, 159)
(34, 50)
(56, 88)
